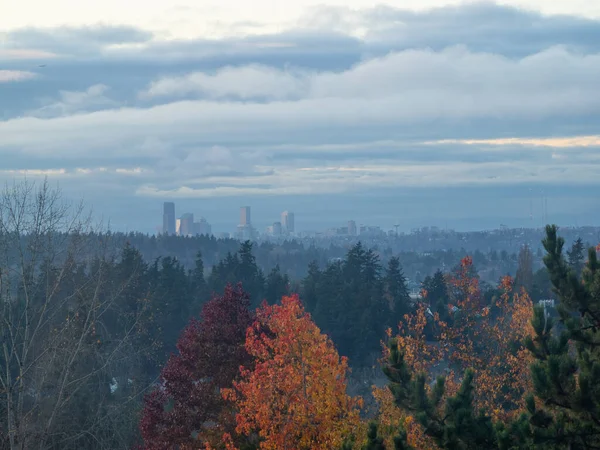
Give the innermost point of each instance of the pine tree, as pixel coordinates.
(277, 285)
(452, 422)
(396, 290)
(374, 441)
(576, 256)
(436, 292)
(566, 375)
(310, 286)
(199, 286)
(524, 276)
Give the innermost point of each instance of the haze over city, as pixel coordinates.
(458, 114)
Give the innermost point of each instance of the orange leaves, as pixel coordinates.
(295, 397)
(487, 338)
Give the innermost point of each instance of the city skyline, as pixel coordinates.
(384, 118)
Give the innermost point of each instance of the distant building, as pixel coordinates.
(169, 218)
(245, 232)
(277, 229)
(178, 227)
(287, 221)
(186, 228)
(202, 227)
(352, 231)
(245, 219)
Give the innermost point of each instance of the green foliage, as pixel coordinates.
(576, 256)
(452, 423)
(437, 294)
(348, 301)
(374, 441)
(566, 374)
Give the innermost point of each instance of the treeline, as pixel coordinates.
(294, 256)
(268, 378)
(89, 321)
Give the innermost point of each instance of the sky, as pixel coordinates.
(456, 114)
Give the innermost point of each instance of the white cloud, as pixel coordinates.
(239, 137)
(71, 102)
(247, 82)
(7, 76)
(454, 82)
(188, 19)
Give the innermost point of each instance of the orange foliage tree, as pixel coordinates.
(488, 339)
(295, 397)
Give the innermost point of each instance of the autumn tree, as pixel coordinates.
(489, 345)
(295, 395)
(186, 409)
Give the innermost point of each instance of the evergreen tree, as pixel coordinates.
(436, 290)
(453, 425)
(277, 286)
(566, 378)
(576, 256)
(199, 285)
(374, 441)
(396, 290)
(524, 277)
(249, 274)
(310, 286)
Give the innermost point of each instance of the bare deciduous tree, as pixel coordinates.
(65, 336)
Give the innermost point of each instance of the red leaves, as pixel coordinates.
(187, 409)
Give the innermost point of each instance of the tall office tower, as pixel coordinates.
(186, 227)
(287, 220)
(169, 218)
(202, 227)
(352, 228)
(276, 229)
(245, 216)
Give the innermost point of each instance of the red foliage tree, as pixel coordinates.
(186, 410)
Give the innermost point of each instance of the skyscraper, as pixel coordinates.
(187, 225)
(287, 220)
(245, 216)
(352, 228)
(169, 218)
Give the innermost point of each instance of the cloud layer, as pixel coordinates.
(478, 95)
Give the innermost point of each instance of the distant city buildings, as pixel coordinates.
(186, 227)
(169, 218)
(245, 219)
(245, 230)
(352, 228)
(287, 222)
(202, 227)
(183, 226)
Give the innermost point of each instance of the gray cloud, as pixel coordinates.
(71, 41)
(413, 101)
(72, 102)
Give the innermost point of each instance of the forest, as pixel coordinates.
(110, 343)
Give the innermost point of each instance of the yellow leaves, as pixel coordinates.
(296, 394)
(479, 340)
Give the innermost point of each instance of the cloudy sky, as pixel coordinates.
(426, 112)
